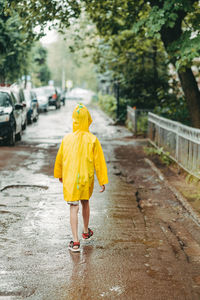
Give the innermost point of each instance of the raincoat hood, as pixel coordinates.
(81, 118)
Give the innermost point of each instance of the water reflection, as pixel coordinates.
(79, 283)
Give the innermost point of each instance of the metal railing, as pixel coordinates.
(137, 120)
(181, 141)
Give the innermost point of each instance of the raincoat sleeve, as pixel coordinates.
(58, 163)
(100, 163)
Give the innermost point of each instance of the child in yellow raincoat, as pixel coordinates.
(80, 153)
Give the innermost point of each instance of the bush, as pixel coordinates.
(142, 124)
(174, 108)
(108, 103)
(163, 155)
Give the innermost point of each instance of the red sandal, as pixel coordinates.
(87, 235)
(72, 246)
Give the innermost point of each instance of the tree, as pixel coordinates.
(134, 65)
(44, 13)
(13, 48)
(138, 65)
(38, 68)
(19, 54)
(175, 24)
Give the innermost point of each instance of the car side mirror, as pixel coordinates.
(18, 106)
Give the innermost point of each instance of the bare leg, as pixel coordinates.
(85, 214)
(74, 221)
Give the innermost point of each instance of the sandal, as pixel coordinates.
(74, 246)
(87, 235)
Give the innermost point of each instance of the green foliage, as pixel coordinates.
(190, 178)
(129, 41)
(109, 104)
(164, 156)
(144, 76)
(51, 13)
(129, 125)
(176, 24)
(18, 54)
(38, 68)
(142, 124)
(172, 105)
(127, 47)
(13, 48)
(123, 109)
(174, 109)
(137, 64)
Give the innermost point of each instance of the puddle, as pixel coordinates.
(24, 188)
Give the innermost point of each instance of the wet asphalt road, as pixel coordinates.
(145, 245)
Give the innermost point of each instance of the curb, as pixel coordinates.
(176, 193)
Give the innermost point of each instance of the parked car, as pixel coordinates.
(53, 96)
(10, 116)
(32, 106)
(19, 95)
(42, 98)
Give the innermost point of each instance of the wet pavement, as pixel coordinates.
(145, 244)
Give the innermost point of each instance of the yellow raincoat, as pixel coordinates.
(79, 154)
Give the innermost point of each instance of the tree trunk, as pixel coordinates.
(192, 95)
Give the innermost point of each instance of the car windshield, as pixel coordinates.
(4, 99)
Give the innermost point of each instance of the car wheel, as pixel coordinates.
(11, 138)
(36, 118)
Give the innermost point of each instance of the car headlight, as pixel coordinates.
(4, 118)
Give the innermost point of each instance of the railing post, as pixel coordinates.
(135, 122)
(177, 144)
